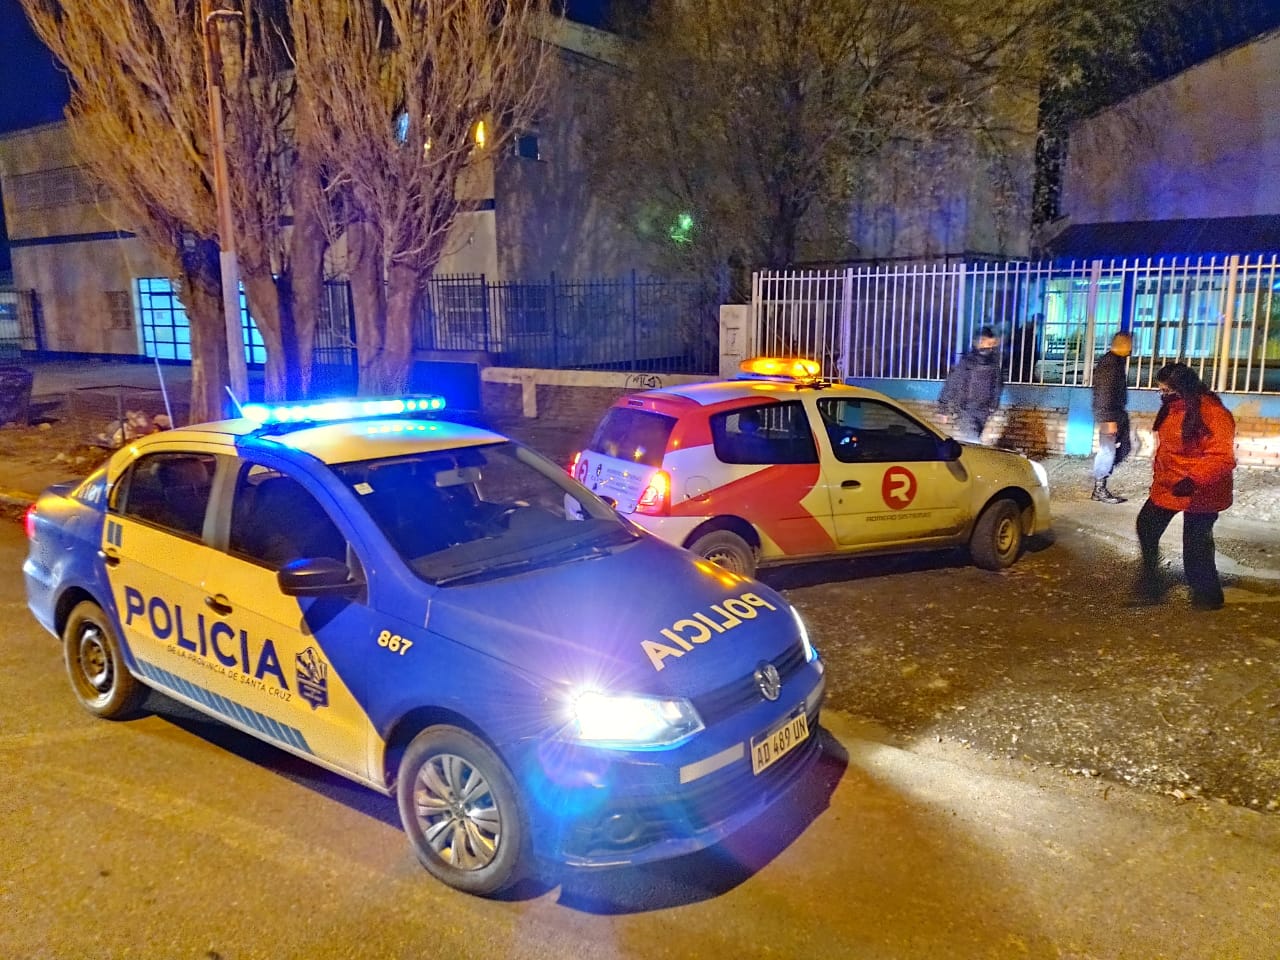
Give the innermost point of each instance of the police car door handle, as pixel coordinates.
(109, 557)
(218, 604)
(850, 484)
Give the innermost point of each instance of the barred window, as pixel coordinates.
(166, 329)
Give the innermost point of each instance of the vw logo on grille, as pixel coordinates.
(768, 681)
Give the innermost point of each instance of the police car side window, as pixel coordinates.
(169, 490)
(274, 519)
(769, 433)
(863, 430)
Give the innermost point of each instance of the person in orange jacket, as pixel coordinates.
(1194, 461)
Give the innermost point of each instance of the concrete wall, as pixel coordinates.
(961, 194)
(548, 217)
(1205, 143)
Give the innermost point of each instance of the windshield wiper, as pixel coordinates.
(570, 554)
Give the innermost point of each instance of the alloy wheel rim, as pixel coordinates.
(457, 812)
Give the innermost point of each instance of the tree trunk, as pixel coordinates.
(267, 307)
(201, 296)
(307, 243)
(306, 258)
(404, 298)
(369, 303)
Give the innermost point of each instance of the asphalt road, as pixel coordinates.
(171, 836)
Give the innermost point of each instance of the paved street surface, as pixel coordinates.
(171, 836)
(1018, 764)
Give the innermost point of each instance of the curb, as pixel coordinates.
(17, 498)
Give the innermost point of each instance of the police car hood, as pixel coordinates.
(645, 618)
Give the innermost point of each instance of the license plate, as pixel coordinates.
(778, 742)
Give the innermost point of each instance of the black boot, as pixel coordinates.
(1103, 495)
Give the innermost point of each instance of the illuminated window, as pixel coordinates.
(166, 330)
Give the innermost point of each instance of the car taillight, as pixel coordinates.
(29, 522)
(656, 498)
(573, 466)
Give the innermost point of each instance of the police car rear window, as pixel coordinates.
(636, 435)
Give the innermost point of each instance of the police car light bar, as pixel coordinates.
(332, 410)
(781, 368)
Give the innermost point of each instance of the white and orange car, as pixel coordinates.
(780, 465)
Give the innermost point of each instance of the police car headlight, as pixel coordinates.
(1042, 475)
(810, 654)
(628, 721)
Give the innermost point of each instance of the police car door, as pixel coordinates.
(276, 660)
(887, 479)
(155, 554)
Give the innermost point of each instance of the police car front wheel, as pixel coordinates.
(95, 664)
(459, 806)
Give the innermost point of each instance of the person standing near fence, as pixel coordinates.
(1110, 413)
(1195, 458)
(971, 393)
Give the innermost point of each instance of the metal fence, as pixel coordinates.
(19, 323)
(1220, 314)
(631, 323)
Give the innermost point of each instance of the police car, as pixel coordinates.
(437, 612)
(780, 465)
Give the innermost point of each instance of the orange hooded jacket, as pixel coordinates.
(1208, 461)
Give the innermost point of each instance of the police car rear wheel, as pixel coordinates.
(727, 549)
(997, 536)
(95, 664)
(459, 807)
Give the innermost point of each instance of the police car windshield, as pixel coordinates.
(480, 510)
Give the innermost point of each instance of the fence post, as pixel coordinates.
(635, 326)
(555, 336)
(961, 314)
(1228, 323)
(484, 308)
(846, 321)
(1090, 323)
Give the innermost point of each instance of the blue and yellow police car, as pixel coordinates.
(438, 612)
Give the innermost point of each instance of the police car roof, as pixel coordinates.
(344, 441)
(718, 391)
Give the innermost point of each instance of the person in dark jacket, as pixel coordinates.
(972, 389)
(1194, 461)
(1110, 413)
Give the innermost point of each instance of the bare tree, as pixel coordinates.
(730, 125)
(409, 99)
(137, 117)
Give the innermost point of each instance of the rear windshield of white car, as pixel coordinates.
(636, 435)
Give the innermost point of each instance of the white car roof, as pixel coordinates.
(718, 391)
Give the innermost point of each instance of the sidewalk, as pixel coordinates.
(1247, 535)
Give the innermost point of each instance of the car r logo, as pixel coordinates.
(898, 488)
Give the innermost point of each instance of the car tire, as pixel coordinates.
(95, 664)
(462, 812)
(727, 549)
(997, 536)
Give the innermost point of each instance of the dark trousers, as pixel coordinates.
(1113, 448)
(1197, 549)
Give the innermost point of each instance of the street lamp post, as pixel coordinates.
(237, 371)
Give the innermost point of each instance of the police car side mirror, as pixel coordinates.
(611, 501)
(316, 576)
(949, 449)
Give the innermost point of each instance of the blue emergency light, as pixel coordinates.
(328, 411)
